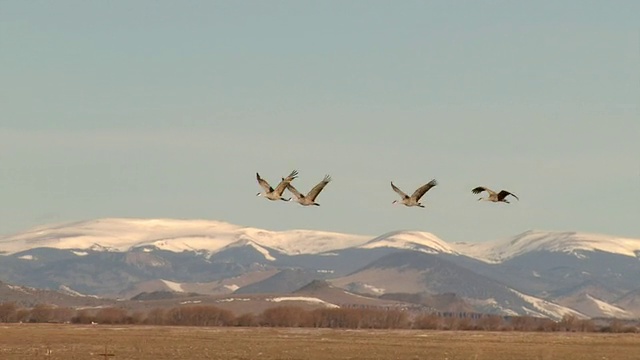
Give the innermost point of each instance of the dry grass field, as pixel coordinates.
(48, 341)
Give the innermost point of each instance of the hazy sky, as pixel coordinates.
(159, 109)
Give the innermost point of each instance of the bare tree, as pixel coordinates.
(156, 316)
(285, 316)
(427, 321)
(111, 315)
(41, 313)
(8, 312)
(491, 322)
(247, 319)
(83, 316)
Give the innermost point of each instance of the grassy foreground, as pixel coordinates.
(53, 341)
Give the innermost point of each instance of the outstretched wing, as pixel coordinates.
(400, 192)
(316, 189)
(423, 189)
(504, 193)
(265, 185)
(294, 191)
(480, 189)
(283, 184)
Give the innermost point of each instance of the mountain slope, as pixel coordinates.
(418, 272)
(537, 241)
(410, 240)
(536, 270)
(121, 235)
(28, 297)
(284, 282)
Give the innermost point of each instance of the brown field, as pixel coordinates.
(53, 341)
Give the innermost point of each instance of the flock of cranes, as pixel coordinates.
(406, 200)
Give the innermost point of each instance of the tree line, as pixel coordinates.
(295, 316)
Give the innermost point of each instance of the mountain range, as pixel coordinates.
(539, 273)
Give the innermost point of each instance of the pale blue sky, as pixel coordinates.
(168, 108)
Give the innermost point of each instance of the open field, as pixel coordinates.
(32, 341)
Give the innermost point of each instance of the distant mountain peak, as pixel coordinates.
(411, 240)
(210, 236)
(124, 234)
(315, 285)
(550, 241)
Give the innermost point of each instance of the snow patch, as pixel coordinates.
(324, 271)
(174, 286)
(67, 290)
(373, 289)
(27, 257)
(191, 302)
(20, 288)
(232, 287)
(548, 309)
(233, 299)
(608, 309)
(305, 299)
(491, 305)
(411, 240)
(251, 243)
(533, 313)
(567, 242)
(262, 251)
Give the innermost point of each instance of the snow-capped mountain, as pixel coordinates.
(120, 234)
(536, 272)
(173, 235)
(536, 241)
(419, 272)
(410, 240)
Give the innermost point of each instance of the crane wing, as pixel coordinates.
(400, 192)
(294, 191)
(423, 189)
(283, 184)
(504, 193)
(316, 189)
(265, 185)
(480, 189)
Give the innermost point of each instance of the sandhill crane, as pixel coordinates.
(310, 198)
(414, 199)
(493, 196)
(276, 194)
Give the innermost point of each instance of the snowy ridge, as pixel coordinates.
(118, 234)
(411, 240)
(67, 290)
(173, 286)
(208, 236)
(246, 242)
(492, 303)
(567, 242)
(305, 299)
(22, 289)
(548, 309)
(610, 310)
